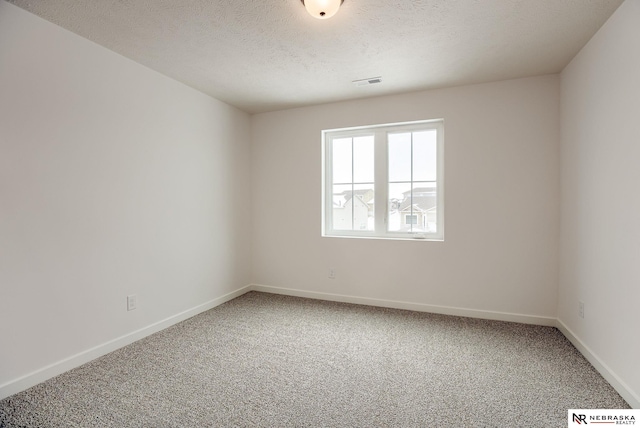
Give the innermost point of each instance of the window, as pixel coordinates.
(384, 181)
(411, 219)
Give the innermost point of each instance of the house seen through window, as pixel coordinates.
(384, 181)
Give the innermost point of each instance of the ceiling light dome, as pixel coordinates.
(322, 9)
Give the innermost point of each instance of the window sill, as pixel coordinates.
(387, 238)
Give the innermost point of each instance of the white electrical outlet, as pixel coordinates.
(332, 273)
(581, 309)
(132, 302)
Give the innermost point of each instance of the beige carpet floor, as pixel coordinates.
(265, 360)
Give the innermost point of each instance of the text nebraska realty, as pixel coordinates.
(608, 419)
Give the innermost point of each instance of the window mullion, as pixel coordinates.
(411, 184)
(440, 180)
(328, 184)
(380, 176)
(353, 186)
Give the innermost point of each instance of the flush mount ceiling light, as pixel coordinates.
(322, 9)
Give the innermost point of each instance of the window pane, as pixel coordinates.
(399, 205)
(400, 157)
(342, 162)
(363, 159)
(424, 202)
(353, 207)
(424, 155)
(363, 207)
(342, 218)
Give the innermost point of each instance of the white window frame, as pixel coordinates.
(381, 171)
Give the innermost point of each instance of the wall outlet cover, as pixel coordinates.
(132, 302)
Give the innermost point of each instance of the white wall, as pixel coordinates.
(600, 197)
(500, 252)
(114, 180)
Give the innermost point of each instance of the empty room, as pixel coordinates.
(319, 213)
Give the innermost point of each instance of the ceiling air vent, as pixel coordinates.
(367, 82)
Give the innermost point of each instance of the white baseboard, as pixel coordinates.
(59, 367)
(614, 380)
(419, 307)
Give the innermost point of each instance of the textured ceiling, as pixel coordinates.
(270, 54)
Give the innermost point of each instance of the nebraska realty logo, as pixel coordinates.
(580, 417)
